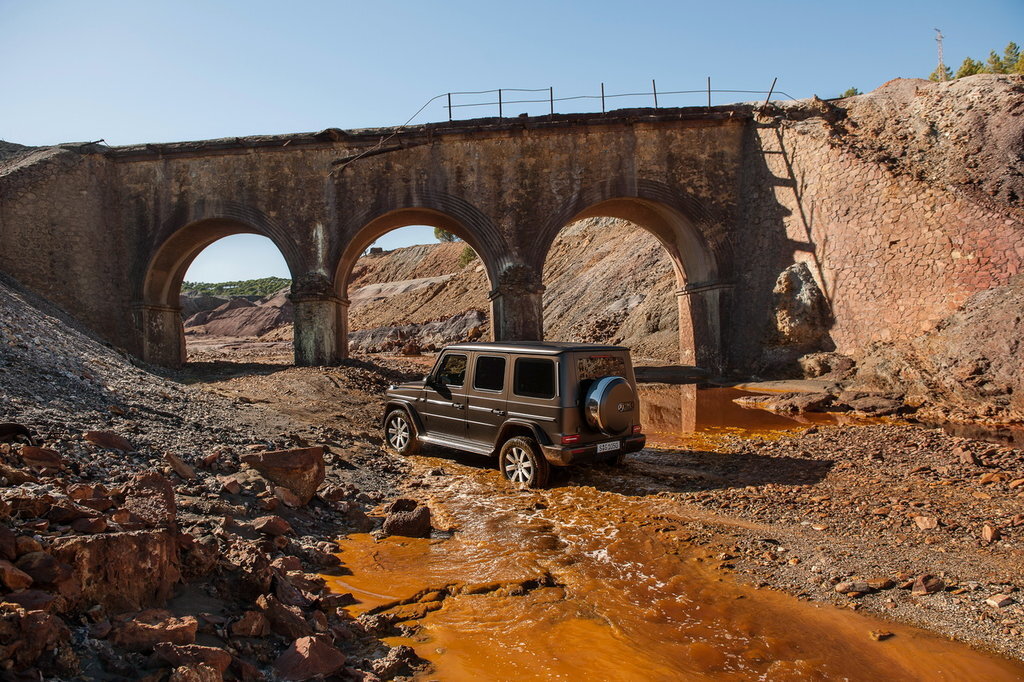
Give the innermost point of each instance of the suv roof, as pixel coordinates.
(543, 347)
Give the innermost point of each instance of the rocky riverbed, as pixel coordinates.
(153, 530)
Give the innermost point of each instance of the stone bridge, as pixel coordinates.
(109, 233)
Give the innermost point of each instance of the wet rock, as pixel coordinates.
(191, 655)
(251, 624)
(301, 470)
(927, 584)
(398, 660)
(309, 657)
(109, 441)
(287, 621)
(12, 577)
(407, 518)
(180, 467)
(880, 635)
(151, 627)
(272, 526)
(150, 497)
(122, 571)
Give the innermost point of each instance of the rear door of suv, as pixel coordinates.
(486, 396)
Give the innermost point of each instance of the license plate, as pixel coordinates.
(608, 447)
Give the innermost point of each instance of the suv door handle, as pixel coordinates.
(500, 413)
(459, 406)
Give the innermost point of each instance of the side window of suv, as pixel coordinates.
(490, 373)
(453, 370)
(534, 378)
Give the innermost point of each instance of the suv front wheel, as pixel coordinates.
(522, 463)
(400, 433)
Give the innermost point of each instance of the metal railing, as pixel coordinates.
(501, 100)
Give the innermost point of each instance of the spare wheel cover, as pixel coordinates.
(609, 405)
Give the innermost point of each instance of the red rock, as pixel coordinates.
(89, 526)
(287, 621)
(122, 571)
(25, 544)
(926, 522)
(999, 601)
(151, 627)
(272, 525)
(286, 563)
(15, 477)
(150, 497)
(12, 577)
(109, 441)
(41, 458)
(414, 523)
(927, 584)
(36, 632)
(230, 484)
(301, 470)
(251, 624)
(8, 543)
(195, 673)
(309, 657)
(990, 534)
(31, 600)
(179, 466)
(100, 504)
(287, 496)
(193, 654)
(44, 568)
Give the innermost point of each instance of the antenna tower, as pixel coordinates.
(942, 67)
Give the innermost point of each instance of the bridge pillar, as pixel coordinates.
(517, 306)
(318, 320)
(163, 335)
(700, 324)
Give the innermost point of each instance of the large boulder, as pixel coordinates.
(309, 657)
(407, 518)
(300, 470)
(122, 571)
(802, 314)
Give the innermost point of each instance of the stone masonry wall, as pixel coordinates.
(894, 254)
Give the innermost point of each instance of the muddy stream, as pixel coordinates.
(583, 582)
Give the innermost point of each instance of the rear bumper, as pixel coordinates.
(561, 455)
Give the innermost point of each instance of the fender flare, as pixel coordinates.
(409, 410)
(538, 434)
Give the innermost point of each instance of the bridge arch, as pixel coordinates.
(683, 227)
(157, 308)
(477, 233)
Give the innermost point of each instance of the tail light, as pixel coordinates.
(637, 428)
(570, 439)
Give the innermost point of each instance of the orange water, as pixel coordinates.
(628, 597)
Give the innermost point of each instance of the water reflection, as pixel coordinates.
(682, 416)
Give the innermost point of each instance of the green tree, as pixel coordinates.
(944, 75)
(444, 235)
(850, 92)
(1007, 63)
(467, 256)
(969, 68)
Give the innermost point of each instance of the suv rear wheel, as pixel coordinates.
(522, 463)
(400, 433)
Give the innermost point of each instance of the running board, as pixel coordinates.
(458, 444)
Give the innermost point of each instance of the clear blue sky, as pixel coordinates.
(157, 70)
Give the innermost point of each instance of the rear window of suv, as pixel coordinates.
(597, 366)
(534, 378)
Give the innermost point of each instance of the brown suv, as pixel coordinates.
(531, 404)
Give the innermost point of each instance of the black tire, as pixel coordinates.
(400, 433)
(522, 463)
